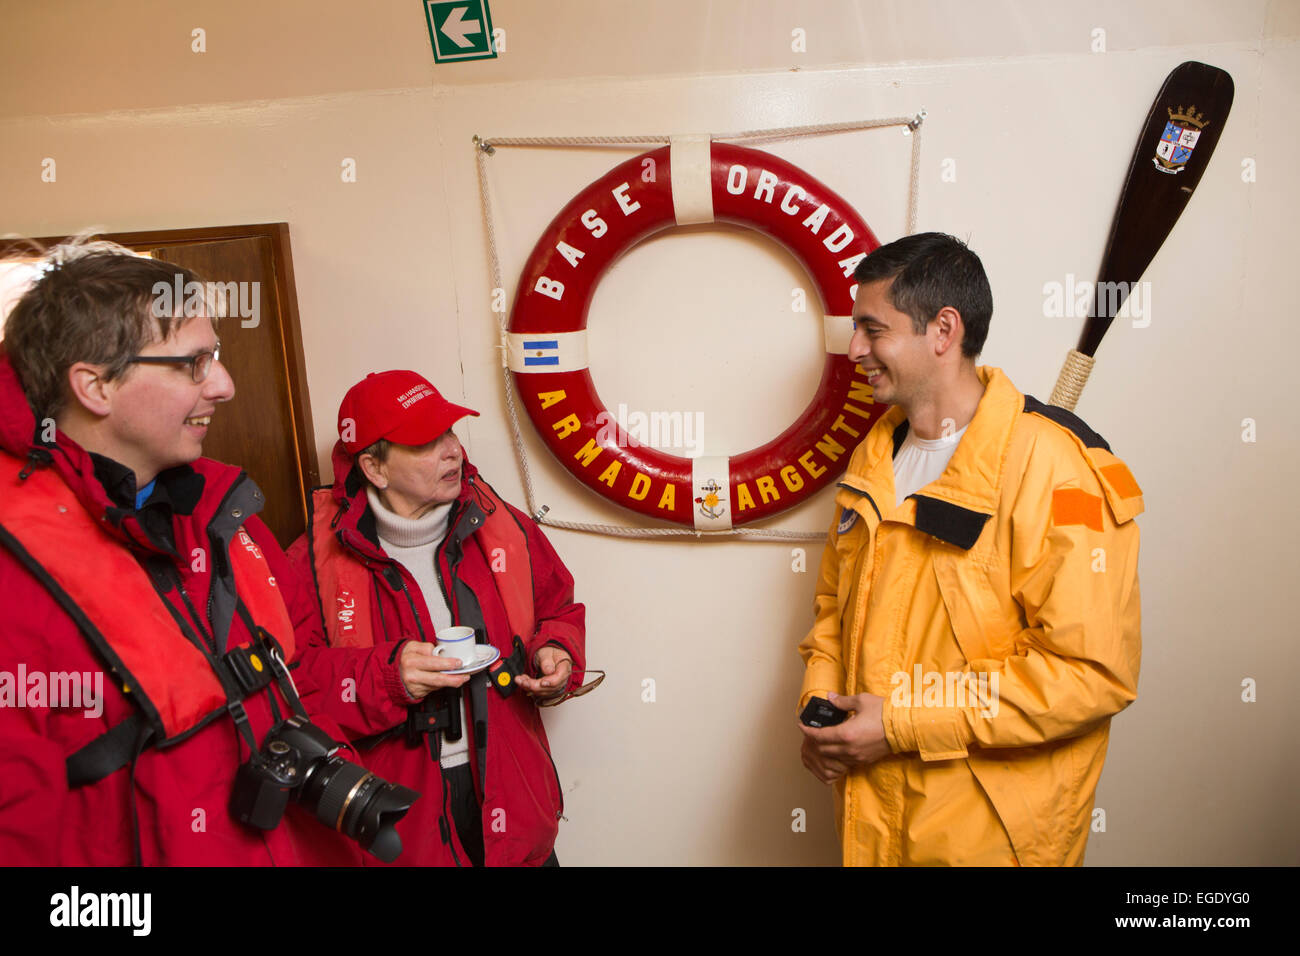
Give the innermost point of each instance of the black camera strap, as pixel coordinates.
(242, 672)
(109, 752)
(232, 684)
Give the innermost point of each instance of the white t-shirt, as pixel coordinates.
(922, 460)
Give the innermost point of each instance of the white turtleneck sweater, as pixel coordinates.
(412, 543)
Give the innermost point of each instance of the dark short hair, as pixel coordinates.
(92, 303)
(931, 270)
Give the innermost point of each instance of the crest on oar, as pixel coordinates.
(1179, 139)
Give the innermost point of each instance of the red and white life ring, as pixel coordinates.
(690, 181)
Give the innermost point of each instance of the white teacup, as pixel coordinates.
(457, 642)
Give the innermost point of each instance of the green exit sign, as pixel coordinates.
(460, 30)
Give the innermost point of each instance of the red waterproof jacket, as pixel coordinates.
(360, 687)
(182, 793)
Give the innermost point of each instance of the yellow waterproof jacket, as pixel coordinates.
(996, 611)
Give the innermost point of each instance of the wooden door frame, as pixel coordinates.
(286, 295)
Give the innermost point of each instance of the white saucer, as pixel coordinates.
(486, 655)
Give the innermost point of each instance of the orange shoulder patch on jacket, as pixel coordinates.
(1076, 506)
(1122, 480)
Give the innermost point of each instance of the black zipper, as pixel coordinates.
(208, 638)
(559, 788)
(205, 642)
(401, 586)
(446, 822)
(438, 556)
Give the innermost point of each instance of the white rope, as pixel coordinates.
(623, 531)
(489, 143)
(494, 261)
(486, 146)
(786, 132)
(914, 176)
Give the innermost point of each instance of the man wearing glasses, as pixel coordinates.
(143, 597)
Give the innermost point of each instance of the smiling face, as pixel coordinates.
(899, 362)
(414, 479)
(157, 414)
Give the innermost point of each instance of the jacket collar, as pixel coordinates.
(956, 505)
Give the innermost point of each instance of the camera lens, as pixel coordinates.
(352, 800)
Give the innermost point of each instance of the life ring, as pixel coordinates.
(691, 181)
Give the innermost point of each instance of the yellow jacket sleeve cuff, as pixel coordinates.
(823, 692)
(936, 733)
(820, 679)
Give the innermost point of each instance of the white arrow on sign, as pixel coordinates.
(456, 27)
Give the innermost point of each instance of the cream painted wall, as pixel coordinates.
(392, 271)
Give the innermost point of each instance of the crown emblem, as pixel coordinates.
(1188, 115)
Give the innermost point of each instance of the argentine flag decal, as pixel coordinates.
(541, 352)
(546, 351)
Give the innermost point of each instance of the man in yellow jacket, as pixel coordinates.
(977, 607)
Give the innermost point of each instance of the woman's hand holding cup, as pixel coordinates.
(421, 669)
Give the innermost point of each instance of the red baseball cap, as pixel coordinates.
(398, 405)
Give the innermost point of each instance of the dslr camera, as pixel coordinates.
(300, 759)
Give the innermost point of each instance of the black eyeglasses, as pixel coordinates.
(200, 364)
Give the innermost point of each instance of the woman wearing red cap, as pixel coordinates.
(410, 541)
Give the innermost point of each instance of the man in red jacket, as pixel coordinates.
(148, 611)
(409, 541)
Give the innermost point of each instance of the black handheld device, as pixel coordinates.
(820, 712)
